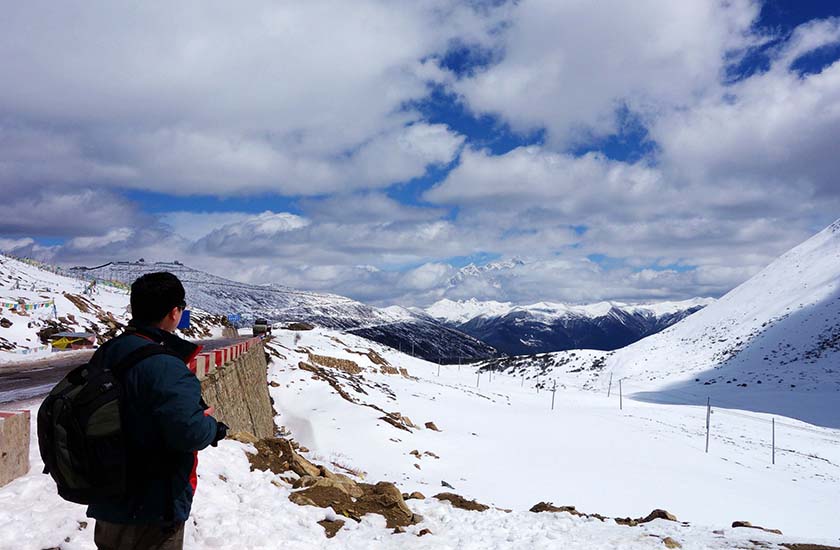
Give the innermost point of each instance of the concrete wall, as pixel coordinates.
(238, 390)
(14, 445)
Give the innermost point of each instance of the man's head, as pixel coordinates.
(157, 300)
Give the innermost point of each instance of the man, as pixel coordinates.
(166, 422)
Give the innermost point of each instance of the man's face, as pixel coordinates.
(172, 319)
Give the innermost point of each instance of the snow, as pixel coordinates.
(39, 285)
(462, 311)
(499, 443)
(770, 345)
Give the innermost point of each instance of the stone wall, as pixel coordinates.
(238, 390)
(14, 445)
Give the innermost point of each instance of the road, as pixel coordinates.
(23, 381)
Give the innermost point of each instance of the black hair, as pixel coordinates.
(153, 295)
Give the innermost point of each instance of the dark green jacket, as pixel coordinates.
(165, 425)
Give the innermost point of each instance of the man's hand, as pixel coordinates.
(221, 433)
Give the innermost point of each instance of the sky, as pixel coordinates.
(401, 152)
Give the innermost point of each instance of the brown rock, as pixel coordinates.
(549, 507)
(5, 323)
(658, 514)
(340, 482)
(243, 437)
(424, 532)
(274, 384)
(431, 426)
(276, 454)
(460, 502)
(415, 495)
(398, 530)
(383, 499)
(751, 526)
(671, 543)
(331, 527)
(415, 452)
(431, 454)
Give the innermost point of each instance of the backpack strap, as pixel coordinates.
(141, 353)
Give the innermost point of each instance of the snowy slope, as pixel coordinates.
(769, 345)
(394, 326)
(499, 443)
(546, 327)
(102, 310)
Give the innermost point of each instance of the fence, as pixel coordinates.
(205, 363)
(719, 420)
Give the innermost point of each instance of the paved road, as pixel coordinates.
(23, 381)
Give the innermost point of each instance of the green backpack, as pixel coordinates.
(80, 428)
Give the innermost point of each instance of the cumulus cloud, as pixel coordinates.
(63, 211)
(295, 97)
(567, 66)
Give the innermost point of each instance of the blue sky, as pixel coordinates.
(650, 151)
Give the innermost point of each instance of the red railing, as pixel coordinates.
(205, 363)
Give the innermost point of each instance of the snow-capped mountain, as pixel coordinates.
(770, 345)
(38, 300)
(397, 327)
(546, 327)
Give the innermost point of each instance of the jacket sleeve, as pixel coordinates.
(176, 407)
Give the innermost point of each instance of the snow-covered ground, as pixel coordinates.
(78, 307)
(499, 443)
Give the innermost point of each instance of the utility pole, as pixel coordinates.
(708, 420)
(620, 396)
(774, 440)
(609, 388)
(477, 378)
(438, 365)
(553, 391)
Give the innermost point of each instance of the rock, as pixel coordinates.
(460, 502)
(398, 530)
(416, 453)
(751, 526)
(445, 484)
(331, 527)
(274, 384)
(424, 532)
(5, 323)
(383, 499)
(343, 484)
(415, 495)
(671, 543)
(658, 514)
(243, 437)
(431, 426)
(549, 507)
(431, 454)
(417, 466)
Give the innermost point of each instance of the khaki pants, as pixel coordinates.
(111, 536)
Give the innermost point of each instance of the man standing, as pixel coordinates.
(166, 423)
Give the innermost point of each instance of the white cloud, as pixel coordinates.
(120, 235)
(10, 245)
(295, 97)
(567, 66)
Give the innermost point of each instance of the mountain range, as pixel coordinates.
(545, 327)
(418, 334)
(770, 345)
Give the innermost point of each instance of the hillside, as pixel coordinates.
(429, 338)
(363, 410)
(546, 327)
(770, 345)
